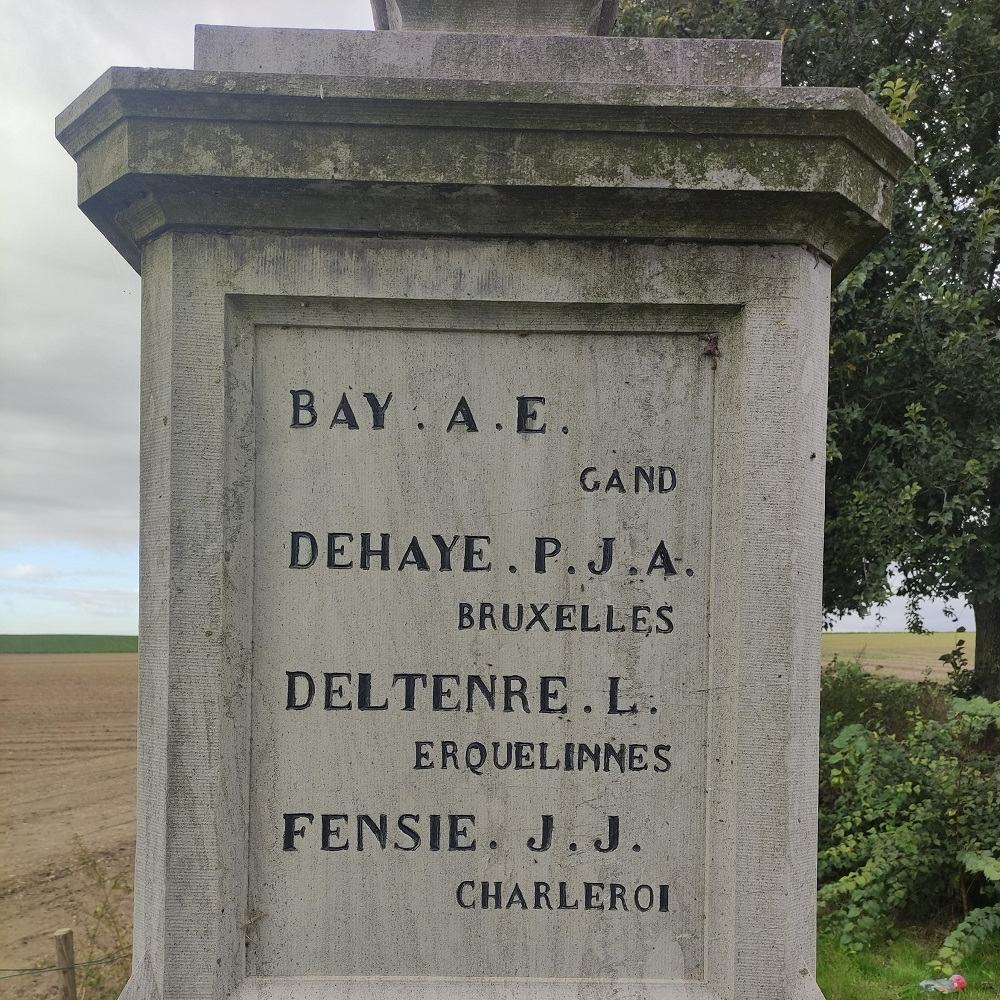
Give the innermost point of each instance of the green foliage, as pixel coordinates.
(909, 811)
(899, 98)
(966, 938)
(850, 695)
(960, 676)
(892, 969)
(914, 448)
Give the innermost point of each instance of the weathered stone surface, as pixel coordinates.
(494, 59)
(366, 291)
(161, 148)
(222, 313)
(509, 17)
(601, 394)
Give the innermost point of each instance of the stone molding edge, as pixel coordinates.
(317, 91)
(133, 195)
(340, 988)
(686, 111)
(827, 224)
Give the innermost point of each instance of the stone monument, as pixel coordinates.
(483, 403)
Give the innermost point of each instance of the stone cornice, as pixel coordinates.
(160, 149)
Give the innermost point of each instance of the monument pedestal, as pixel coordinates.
(483, 423)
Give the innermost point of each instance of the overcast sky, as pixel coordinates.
(69, 313)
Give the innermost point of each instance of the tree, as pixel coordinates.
(913, 475)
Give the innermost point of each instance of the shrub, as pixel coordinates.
(105, 958)
(909, 810)
(961, 679)
(850, 695)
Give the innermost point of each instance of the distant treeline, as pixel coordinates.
(69, 643)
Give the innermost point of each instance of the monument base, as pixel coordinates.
(483, 422)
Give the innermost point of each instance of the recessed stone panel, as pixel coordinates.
(480, 623)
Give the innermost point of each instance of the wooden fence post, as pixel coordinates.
(66, 961)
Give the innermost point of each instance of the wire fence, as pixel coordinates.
(15, 973)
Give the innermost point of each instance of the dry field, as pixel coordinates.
(67, 769)
(900, 653)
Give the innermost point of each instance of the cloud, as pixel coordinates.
(44, 608)
(68, 588)
(102, 603)
(69, 305)
(27, 571)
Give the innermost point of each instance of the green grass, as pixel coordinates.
(893, 971)
(68, 643)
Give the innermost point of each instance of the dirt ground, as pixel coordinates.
(67, 770)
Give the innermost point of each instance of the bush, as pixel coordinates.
(104, 954)
(850, 695)
(909, 811)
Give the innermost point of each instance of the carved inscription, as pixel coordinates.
(480, 622)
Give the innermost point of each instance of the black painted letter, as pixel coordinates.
(297, 538)
(293, 676)
(527, 414)
(303, 401)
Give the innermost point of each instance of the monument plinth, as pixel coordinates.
(483, 419)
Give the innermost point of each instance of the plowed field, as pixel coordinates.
(67, 770)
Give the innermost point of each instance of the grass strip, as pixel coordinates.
(894, 970)
(69, 643)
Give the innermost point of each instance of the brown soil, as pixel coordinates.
(67, 771)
